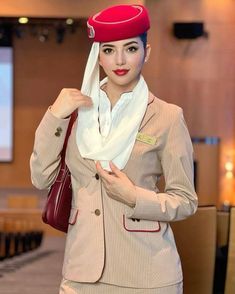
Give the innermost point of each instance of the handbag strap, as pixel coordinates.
(71, 122)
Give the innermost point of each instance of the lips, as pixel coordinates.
(121, 72)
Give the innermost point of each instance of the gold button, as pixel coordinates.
(97, 212)
(57, 134)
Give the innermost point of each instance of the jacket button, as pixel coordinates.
(58, 132)
(97, 176)
(97, 212)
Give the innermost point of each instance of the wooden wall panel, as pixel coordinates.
(199, 74)
(41, 70)
(56, 8)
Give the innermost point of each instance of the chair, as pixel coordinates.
(222, 228)
(230, 275)
(221, 251)
(196, 242)
(2, 239)
(20, 231)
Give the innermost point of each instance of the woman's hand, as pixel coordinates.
(118, 186)
(69, 100)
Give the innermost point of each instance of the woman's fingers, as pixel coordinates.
(115, 169)
(84, 101)
(69, 100)
(103, 173)
(100, 170)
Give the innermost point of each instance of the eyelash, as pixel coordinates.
(107, 50)
(131, 49)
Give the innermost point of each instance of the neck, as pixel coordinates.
(114, 91)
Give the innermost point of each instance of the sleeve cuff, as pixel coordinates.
(51, 133)
(145, 207)
(52, 124)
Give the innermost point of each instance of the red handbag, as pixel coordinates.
(56, 211)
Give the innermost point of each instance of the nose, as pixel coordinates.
(120, 57)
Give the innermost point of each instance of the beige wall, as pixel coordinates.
(197, 75)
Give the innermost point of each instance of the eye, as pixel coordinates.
(132, 49)
(107, 50)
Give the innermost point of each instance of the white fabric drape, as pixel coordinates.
(103, 134)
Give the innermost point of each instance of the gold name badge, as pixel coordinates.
(146, 139)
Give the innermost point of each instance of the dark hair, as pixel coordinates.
(143, 38)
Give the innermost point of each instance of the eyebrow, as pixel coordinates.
(127, 44)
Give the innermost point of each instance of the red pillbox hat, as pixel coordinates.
(118, 22)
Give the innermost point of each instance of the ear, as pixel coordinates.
(147, 52)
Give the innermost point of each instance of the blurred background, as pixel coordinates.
(43, 48)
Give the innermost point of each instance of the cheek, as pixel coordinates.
(138, 64)
(137, 61)
(104, 63)
(105, 68)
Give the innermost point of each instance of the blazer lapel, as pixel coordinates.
(150, 112)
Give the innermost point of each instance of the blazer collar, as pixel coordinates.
(149, 114)
(150, 111)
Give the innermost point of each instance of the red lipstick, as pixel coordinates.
(121, 72)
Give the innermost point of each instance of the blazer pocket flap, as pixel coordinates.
(73, 216)
(137, 225)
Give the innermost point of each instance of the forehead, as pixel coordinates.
(122, 42)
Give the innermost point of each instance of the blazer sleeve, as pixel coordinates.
(179, 199)
(48, 143)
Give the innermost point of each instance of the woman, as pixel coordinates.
(119, 239)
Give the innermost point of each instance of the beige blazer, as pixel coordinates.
(107, 240)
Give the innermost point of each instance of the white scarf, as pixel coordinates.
(103, 134)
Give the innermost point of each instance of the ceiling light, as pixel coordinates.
(69, 21)
(23, 20)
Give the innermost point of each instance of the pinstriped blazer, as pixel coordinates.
(108, 241)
